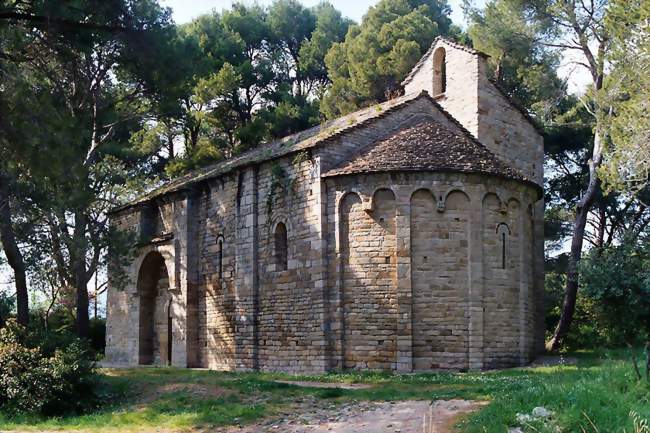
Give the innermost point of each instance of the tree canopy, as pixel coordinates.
(368, 66)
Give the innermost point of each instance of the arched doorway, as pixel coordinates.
(155, 311)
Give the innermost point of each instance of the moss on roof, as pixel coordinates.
(293, 143)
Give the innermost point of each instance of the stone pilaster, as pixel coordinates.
(184, 307)
(525, 255)
(404, 291)
(476, 281)
(246, 271)
(538, 275)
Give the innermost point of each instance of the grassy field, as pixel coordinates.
(596, 395)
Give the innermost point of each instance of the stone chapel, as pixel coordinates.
(406, 236)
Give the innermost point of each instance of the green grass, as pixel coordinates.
(600, 389)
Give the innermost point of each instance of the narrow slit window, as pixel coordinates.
(281, 247)
(220, 258)
(503, 231)
(503, 250)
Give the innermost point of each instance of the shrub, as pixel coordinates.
(586, 331)
(617, 278)
(97, 335)
(6, 307)
(32, 381)
(24, 379)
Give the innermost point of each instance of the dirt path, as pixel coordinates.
(409, 416)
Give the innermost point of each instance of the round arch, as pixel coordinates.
(154, 334)
(439, 71)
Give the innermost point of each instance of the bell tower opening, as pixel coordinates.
(439, 71)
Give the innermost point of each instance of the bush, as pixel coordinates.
(97, 335)
(617, 279)
(24, 380)
(6, 308)
(585, 331)
(32, 381)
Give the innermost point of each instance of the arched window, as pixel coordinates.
(220, 257)
(280, 247)
(439, 71)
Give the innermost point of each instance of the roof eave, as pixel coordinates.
(151, 196)
(534, 185)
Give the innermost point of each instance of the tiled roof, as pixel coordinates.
(290, 144)
(428, 146)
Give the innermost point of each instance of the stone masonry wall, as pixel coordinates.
(387, 271)
(505, 130)
(461, 96)
(483, 110)
(291, 335)
(216, 293)
(439, 279)
(449, 262)
(124, 297)
(369, 292)
(118, 308)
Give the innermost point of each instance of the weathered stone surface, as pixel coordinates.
(407, 267)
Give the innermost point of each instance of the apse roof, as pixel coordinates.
(427, 146)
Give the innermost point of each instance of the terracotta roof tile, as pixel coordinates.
(428, 146)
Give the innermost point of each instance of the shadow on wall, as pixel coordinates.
(369, 282)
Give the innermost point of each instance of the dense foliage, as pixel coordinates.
(80, 74)
(518, 62)
(627, 164)
(617, 279)
(37, 378)
(249, 74)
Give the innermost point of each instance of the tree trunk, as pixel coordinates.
(95, 297)
(498, 72)
(12, 252)
(80, 274)
(582, 212)
(602, 223)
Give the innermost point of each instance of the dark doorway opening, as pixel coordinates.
(153, 287)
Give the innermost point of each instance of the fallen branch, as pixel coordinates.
(634, 361)
(591, 422)
(647, 361)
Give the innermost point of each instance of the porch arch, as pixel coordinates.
(154, 336)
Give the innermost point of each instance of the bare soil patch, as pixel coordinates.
(411, 416)
(444, 414)
(149, 394)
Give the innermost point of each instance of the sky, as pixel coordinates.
(185, 10)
